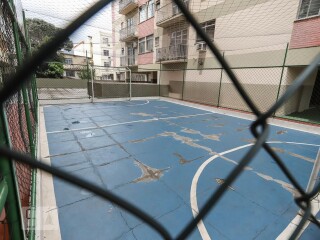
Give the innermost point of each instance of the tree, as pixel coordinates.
(86, 73)
(41, 32)
(50, 70)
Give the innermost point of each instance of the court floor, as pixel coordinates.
(168, 158)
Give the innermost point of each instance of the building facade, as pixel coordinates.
(268, 43)
(99, 48)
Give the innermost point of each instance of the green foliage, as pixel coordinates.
(86, 73)
(50, 70)
(41, 31)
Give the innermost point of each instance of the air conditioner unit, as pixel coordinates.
(201, 47)
(134, 44)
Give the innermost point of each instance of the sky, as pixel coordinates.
(62, 12)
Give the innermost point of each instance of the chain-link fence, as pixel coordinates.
(18, 124)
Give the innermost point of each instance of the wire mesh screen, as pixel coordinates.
(16, 106)
(186, 74)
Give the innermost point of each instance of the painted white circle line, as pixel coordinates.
(193, 191)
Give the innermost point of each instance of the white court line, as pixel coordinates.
(129, 105)
(248, 116)
(124, 123)
(193, 191)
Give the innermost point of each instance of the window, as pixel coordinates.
(149, 40)
(156, 41)
(106, 64)
(143, 13)
(146, 44)
(70, 73)
(309, 8)
(68, 60)
(142, 45)
(150, 9)
(179, 37)
(105, 40)
(146, 11)
(105, 52)
(208, 27)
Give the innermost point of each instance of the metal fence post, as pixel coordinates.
(31, 234)
(7, 172)
(282, 71)
(183, 79)
(220, 84)
(160, 80)
(33, 78)
(92, 87)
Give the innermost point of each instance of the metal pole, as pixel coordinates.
(33, 79)
(220, 84)
(314, 174)
(282, 71)
(160, 80)
(183, 79)
(130, 87)
(12, 204)
(92, 78)
(88, 72)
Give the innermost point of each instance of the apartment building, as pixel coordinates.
(98, 47)
(268, 43)
(73, 64)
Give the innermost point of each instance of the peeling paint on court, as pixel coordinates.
(214, 137)
(182, 160)
(142, 114)
(149, 174)
(282, 132)
(186, 140)
(221, 181)
(280, 150)
(283, 184)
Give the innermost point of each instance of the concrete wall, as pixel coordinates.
(61, 83)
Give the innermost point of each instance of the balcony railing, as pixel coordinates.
(126, 6)
(128, 33)
(128, 60)
(175, 52)
(169, 11)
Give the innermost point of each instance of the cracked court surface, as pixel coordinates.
(167, 159)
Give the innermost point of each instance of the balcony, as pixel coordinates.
(129, 60)
(126, 6)
(175, 53)
(128, 34)
(169, 14)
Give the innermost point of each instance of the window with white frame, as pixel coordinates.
(208, 27)
(146, 44)
(179, 37)
(309, 8)
(106, 64)
(150, 9)
(105, 52)
(149, 40)
(143, 13)
(146, 11)
(68, 60)
(105, 40)
(142, 45)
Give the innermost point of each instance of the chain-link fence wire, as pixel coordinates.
(259, 129)
(14, 106)
(72, 84)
